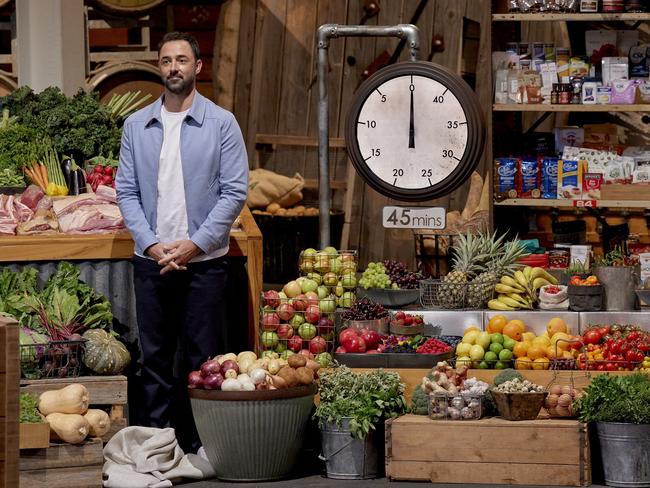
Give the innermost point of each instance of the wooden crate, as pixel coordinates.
(108, 392)
(34, 436)
(9, 409)
(63, 466)
(488, 451)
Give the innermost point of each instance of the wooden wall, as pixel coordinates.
(272, 87)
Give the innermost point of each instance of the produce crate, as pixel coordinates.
(9, 409)
(106, 392)
(63, 466)
(34, 436)
(488, 451)
(56, 359)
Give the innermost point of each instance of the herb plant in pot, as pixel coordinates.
(619, 406)
(351, 415)
(619, 277)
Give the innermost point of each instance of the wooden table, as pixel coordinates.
(245, 241)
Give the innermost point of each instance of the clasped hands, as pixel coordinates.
(174, 256)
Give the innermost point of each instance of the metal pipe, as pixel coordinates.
(325, 32)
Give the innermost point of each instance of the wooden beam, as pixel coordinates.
(226, 46)
(291, 140)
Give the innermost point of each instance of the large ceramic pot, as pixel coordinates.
(252, 435)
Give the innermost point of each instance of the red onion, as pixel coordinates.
(213, 382)
(195, 380)
(211, 366)
(230, 364)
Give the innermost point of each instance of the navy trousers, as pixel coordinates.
(180, 311)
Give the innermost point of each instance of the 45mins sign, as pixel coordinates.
(414, 217)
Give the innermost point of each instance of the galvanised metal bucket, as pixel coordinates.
(252, 435)
(619, 284)
(625, 453)
(346, 457)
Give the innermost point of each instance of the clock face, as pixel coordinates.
(415, 131)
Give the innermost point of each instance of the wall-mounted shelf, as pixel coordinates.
(539, 107)
(548, 202)
(571, 17)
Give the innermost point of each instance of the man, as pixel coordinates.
(182, 181)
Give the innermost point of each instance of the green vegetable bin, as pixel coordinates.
(252, 435)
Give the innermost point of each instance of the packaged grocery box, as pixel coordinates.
(505, 172)
(569, 179)
(591, 183)
(528, 179)
(549, 177)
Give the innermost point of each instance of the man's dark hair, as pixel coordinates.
(181, 36)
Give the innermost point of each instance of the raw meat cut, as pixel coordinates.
(66, 205)
(43, 222)
(31, 196)
(92, 219)
(106, 193)
(12, 212)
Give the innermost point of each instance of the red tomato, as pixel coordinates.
(634, 336)
(592, 336)
(611, 367)
(604, 330)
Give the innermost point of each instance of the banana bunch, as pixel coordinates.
(520, 290)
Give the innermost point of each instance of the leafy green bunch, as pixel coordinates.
(365, 398)
(29, 409)
(624, 399)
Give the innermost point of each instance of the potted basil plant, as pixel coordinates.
(619, 407)
(619, 276)
(351, 415)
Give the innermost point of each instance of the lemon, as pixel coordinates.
(476, 353)
(483, 339)
(462, 349)
(470, 337)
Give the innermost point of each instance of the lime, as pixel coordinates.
(496, 348)
(483, 365)
(509, 343)
(505, 355)
(500, 365)
(496, 338)
(490, 357)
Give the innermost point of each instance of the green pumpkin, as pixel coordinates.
(103, 353)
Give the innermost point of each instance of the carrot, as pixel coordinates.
(33, 176)
(44, 174)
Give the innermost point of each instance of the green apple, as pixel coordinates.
(505, 355)
(330, 250)
(509, 343)
(347, 299)
(496, 348)
(496, 338)
(322, 291)
(328, 305)
(335, 266)
(308, 285)
(483, 339)
(316, 277)
(322, 264)
(296, 321)
(269, 339)
(286, 353)
(348, 280)
(310, 251)
(324, 359)
(306, 331)
(281, 347)
(330, 279)
(491, 357)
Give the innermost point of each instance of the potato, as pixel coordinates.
(281, 212)
(305, 375)
(272, 208)
(564, 400)
(278, 382)
(297, 361)
(289, 375)
(313, 365)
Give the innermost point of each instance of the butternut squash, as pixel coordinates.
(68, 427)
(71, 399)
(99, 421)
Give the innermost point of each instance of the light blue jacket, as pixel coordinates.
(215, 173)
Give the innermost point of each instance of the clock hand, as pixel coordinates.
(411, 126)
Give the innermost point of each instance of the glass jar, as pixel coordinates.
(555, 94)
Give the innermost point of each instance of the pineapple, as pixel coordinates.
(502, 259)
(467, 255)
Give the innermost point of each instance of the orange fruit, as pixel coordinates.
(521, 348)
(514, 329)
(556, 325)
(536, 351)
(523, 363)
(540, 363)
(552, 353)
(496, 324)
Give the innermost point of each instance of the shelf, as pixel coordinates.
(548, 202)
(570, 17)
(530, 107)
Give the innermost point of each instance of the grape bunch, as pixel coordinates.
(365, 309)
(400, 276)
(375, 277)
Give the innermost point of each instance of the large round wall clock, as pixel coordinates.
(414, 131)
(126, 7)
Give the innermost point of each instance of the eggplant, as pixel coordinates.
(81, 180)
(74, 183)
(66, 168)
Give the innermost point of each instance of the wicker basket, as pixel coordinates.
(437, 294)
(519, 406)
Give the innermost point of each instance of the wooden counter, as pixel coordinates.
(245, 241)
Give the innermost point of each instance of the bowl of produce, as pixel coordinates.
(518, 399)
(389, 283)
(257, 406)
(403, 323)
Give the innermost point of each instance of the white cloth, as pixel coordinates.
(146, 457)
(171, 220)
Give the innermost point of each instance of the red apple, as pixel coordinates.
(317, 345)
(408, 320)
(353, 344)
(400, 315)
(312, 314)
(340, 350)
(292, 289)
(299, 302)
(371, 338)
(346, 333)
(373, 351)
(285, 331)
(312, 298)
(285, 311)
(270, 321)
(294, 343)
(271, 298)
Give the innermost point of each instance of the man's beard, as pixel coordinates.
(179, 86)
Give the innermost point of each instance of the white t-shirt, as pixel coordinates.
(171, 222)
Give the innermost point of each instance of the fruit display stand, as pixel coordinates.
(488, 451)
(9, 375)
(63, 465)
(106, 392)
(245, 241)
